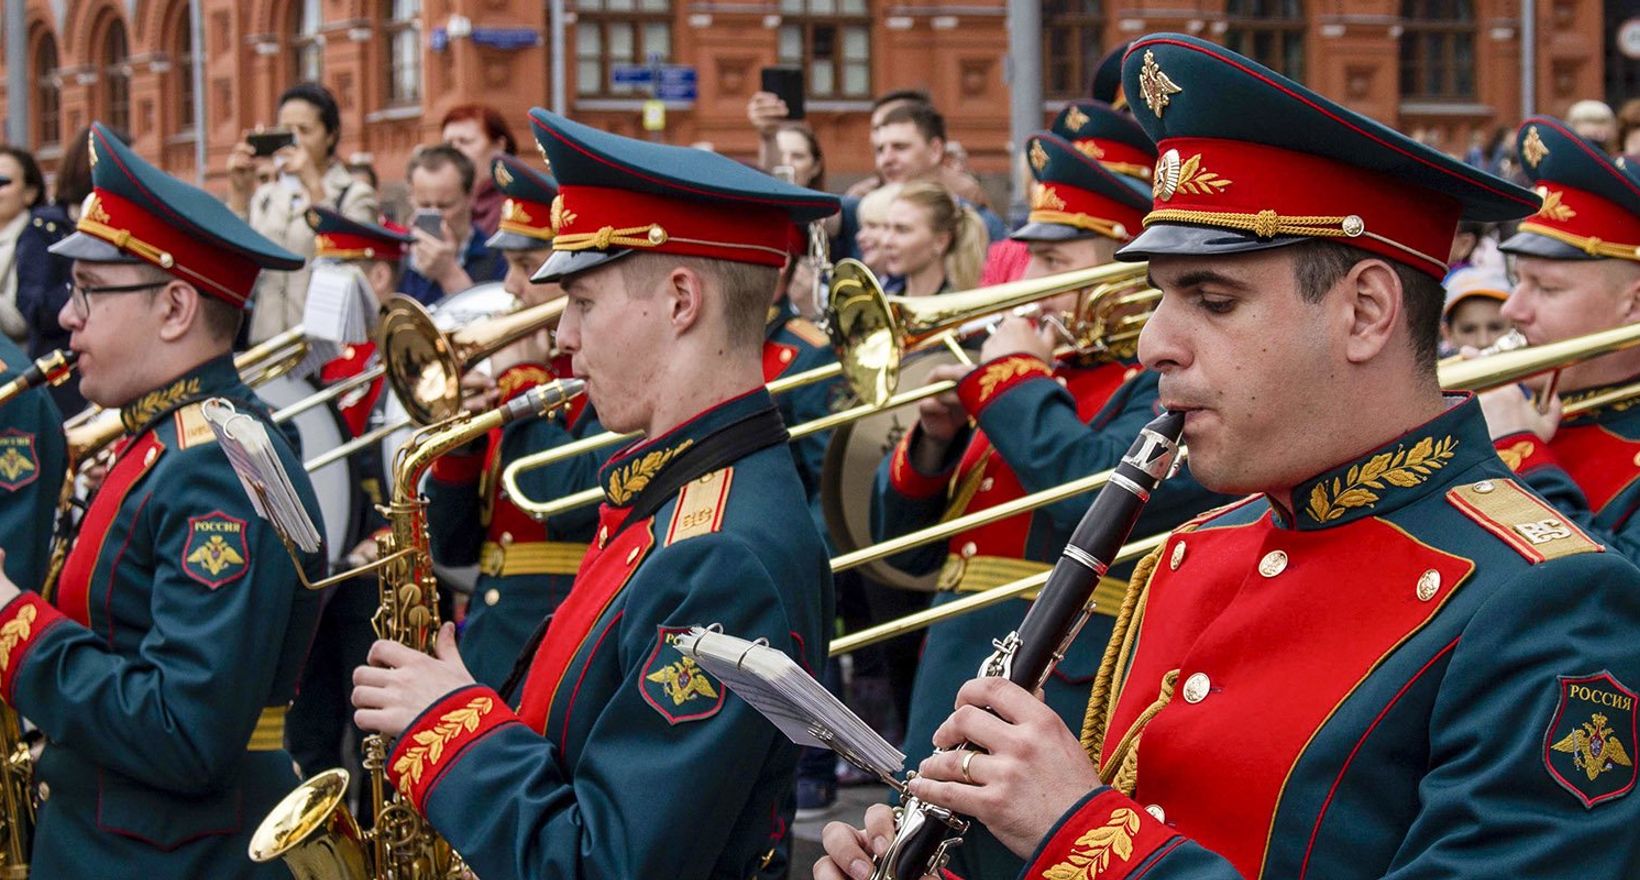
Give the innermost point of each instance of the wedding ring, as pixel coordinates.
(968, 758)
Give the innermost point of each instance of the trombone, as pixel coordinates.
(1480, 374)
(424, 365)
(873, 333)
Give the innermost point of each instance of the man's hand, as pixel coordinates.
(479, 392)
(1020, 336)
(435, 257)
(401, 682)
(1508, 411)
(941, 418)
(850, 850)
(1031, 771)
(8, 590)
(241, 175)
(766, 111)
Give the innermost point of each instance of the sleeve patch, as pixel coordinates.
(216, 552)
(1587, 746)
(674, 685)
(700, 506)
(1520, 519)
(19, 459)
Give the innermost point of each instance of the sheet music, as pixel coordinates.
(256, 461)
(341, 308)
(788, 696)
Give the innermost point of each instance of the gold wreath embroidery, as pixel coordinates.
(561, 216)
(1516, 454)
(14, 464)
(1553, 208)
(631, 479)
(1196, 180)
(683, 681)
(1594, 748)
(1043, 198)
(154, 402)
(996, 374)
(1090, 149)
(1403, 468)
(1154, 86)
(1533, 149)
(94, 209)
(519, 378)
(513, 211)
(15, 631)
(1075, 118)
(429, 744)
(1090, 856)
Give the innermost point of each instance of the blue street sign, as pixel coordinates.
(670, 82)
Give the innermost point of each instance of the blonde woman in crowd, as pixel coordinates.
(873, 214)
(932, 244)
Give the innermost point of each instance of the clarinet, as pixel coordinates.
(925, 833)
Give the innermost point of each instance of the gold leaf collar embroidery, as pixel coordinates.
(626, 481)
(143, 410)
(1091, 854)
(1360, 487)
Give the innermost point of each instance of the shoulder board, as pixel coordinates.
(701, 506)
(192, 428)
(1522, 520)
(808, 331)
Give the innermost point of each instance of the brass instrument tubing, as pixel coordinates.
(326, 394)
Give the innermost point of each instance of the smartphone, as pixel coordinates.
(428, 221)
(787, 84)
(266, 143)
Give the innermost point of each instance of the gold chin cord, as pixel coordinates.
(312, 829)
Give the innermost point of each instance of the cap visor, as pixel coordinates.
(503, 240)
(1050, 232)
(563, 264)
(1169, 239)
(1530, 244)
(91, 249)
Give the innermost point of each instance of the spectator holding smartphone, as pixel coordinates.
(449, 254)
(307, 172)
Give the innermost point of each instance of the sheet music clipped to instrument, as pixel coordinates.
(245, 439)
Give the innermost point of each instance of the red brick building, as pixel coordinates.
(1449, 67)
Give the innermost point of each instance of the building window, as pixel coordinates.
(402, 31)
(831, 41)
(611, 33)
(1072, 45)
(1270, 32)
(116, 77)
(48, 124)
(308, 44)
(182, 69)
(1438, 49)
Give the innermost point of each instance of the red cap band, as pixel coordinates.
(594, 217)
(215, 270)
(1056, 202)
(1585, 220)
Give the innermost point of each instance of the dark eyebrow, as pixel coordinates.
(1198, 277)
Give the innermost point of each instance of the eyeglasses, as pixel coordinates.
(81, 296)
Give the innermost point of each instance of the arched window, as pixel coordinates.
(401, 29)
(116, 77)
(1438, 49)
(307, 44)
(609, 33)
(48, 125)
(831, 41)
(181, 35)
(1270, 32)
(1072, 44)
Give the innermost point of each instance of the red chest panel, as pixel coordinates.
(997, 482)
(73, 593)
(603, 574)
(1279, 652)
(356, 405)
(1602, 463)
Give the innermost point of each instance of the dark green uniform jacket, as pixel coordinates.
(623, 759)
(1422, 671)
(160, 668)
(33, 465)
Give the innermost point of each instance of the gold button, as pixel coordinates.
(1177, 559)
(1637, 458)
(153, 453)
(492, 596)
(1196, 687)
(1429, 583)
(969, 549)
(603, 536)
(347, 353)
(45, 792)
(786, 356)
(1484, 486)
(631, 555)
(986, 484)
(1273, 563)
(1134, 371)
(506, 539)
(1156, 812)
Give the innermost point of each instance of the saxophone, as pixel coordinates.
(312, 829)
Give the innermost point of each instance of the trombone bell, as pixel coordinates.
(313, 831)
(423, 368)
